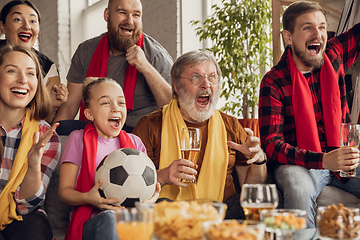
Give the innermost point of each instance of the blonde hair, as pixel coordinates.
(40, 105)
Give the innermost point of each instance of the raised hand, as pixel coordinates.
(59, 95)
(32, 180)
(36, 152)
(250, 148)
(136, 57)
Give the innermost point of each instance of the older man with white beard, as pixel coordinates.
(225, 144)
(124, 53)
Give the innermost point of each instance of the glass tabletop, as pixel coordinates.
(303, 234)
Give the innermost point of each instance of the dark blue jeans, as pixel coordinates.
(102, 226)
(35, 226)
(301, 187)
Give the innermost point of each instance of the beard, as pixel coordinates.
(120, 43)
(309, 61)
(188, 104)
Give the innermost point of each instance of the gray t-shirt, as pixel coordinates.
(144, 101)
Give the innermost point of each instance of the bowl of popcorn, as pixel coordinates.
(282, 223)
(338, 222)
(182, 220)
(234, 230)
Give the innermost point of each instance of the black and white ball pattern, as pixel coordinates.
(127, 174)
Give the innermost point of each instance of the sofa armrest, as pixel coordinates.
(333, 195)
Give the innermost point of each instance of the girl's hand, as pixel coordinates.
(156, 194)
(37, 150)
(101, 203)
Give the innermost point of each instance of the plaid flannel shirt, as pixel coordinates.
(11, 140)
(276, 119)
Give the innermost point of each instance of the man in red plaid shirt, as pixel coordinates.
(302, 104)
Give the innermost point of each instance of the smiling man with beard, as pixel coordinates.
(124, 53)
(225, 144)
(302, 104)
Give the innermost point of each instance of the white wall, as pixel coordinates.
(332, 18)
(76, 23)
(190, 10)
(93, 18)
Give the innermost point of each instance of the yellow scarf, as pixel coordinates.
(17, 174)
(212, 177)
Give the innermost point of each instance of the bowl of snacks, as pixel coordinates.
(182, 220)
(283, 222)
(338, 222)
(234, 230)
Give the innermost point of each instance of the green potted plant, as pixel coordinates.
(240, 31)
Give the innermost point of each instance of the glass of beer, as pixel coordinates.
(134, 224)
(190, 141)
(349, 137)
(257, 197)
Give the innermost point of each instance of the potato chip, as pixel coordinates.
(182, 220)
(231, 230)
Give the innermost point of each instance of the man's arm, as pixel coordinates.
(255, 172)
(278, 146)
(69, 109)
(251, 174)
(346, 46)
(160, 89)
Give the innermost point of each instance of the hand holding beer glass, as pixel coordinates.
(349, 137)
(257, 197)
(190, 141)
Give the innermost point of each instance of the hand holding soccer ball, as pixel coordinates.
(128, 175)
(100, 202)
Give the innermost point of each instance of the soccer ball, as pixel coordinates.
(127, 174)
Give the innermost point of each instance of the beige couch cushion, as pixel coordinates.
(333, 195)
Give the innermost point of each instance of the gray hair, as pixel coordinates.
(191, 58)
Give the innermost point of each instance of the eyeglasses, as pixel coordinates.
(199, 79)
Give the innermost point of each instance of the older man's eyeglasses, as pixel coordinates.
(199, 79)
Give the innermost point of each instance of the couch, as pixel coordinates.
(58, 212)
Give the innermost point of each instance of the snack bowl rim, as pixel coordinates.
(325, 207)
(219, 206)
(273, 212)
(283, 210)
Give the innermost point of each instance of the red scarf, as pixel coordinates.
(86, 178)
(98, 68)
(307, 136)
